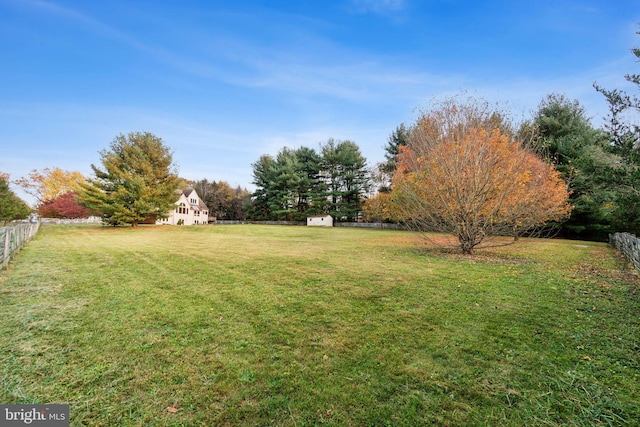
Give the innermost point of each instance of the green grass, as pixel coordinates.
(267, 325)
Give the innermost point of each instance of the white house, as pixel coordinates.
(320, 221)
(190, 210)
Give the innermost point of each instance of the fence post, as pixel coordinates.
(6, 255)
(3, 233)
(629, 245)
(13, 237)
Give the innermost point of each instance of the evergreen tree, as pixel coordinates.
(384, 171)
(11, 206)
(298, 183)
(288, 187)
(138, 182)
(624, 135)
(263, 176)
(284, 185)
(344, 170)
(310, 192)
(580, 153)
(398, 138)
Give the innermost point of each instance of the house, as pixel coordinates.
(320, 221)
(190, 210)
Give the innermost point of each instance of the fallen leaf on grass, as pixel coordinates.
(172, 410)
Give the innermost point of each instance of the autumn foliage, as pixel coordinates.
(48, 184)
(464, 173)
(378, 208)
(63, 206)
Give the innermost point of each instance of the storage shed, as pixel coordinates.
(320, 221)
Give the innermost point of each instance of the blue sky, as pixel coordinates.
(224, 82)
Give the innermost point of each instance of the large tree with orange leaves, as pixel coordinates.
(464, 173)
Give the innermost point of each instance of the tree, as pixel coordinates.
(398, 138)
(11, 206)
(223, 201)
(581, 154)
(301, 182)
(540, 197)
(378, 208)
(63, 206)
(344, 171)
(138, 182)
(205, 190)
(463, 173)
(48, 184)
(311, 191)
(239, 205)
(219, 199)
(624, 136)
(288, 186)
(263, 176)
(285, 182)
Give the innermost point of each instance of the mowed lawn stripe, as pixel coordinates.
(268, 325)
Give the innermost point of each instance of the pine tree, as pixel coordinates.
(11, 206)
(624, 136)
(138, 182)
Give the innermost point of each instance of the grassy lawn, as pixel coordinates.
(268, 325)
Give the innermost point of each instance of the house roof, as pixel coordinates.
(200, 206)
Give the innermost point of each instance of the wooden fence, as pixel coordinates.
(377, 225)
(13, 237)
(629, 245)
(90, 220)
(232, 222)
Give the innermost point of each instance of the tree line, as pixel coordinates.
(301, 182)
(459, 159)
(137, 182)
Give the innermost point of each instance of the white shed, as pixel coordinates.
(320, 221)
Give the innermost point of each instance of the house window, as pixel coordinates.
(182, 209)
